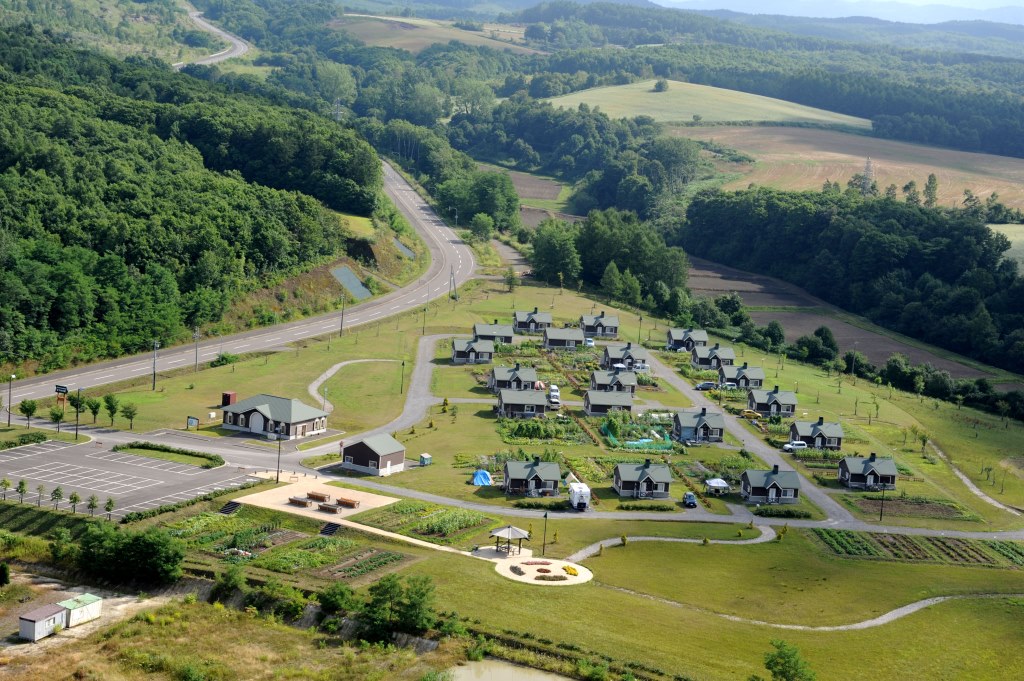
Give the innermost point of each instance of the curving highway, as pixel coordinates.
(237, 49)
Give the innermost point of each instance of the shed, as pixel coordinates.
(42, 622)
(377, 455)
(83, 608)
(426, 459)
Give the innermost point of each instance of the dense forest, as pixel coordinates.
(116, 226)
(934, 274)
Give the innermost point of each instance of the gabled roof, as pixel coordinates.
(43, 612)
(605, 398)
(79, 601)
(493, 330)
(733, 372)
(528, 316)
(626, 378)
(278, 409)
(707, 352)
(812, 428)
(599, 319)
(525, 374)
(383, 444)
(534, 397)
(635, 472)
(775, 395)
(524, 470)
(465, 345)
(863, 465)
(784, 479)
(624, 351)
(695, 335)
(696, 419)
(564, 334)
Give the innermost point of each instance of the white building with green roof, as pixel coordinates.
(274, 417)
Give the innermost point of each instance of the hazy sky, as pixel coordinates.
(972, 4)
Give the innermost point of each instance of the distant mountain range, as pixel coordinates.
(891, 11)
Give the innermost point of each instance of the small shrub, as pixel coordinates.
(623, 539)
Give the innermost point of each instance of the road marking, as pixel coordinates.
(104, 376)
(175, 361)
(243, 345)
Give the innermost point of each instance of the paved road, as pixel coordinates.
(448, 255)
(237, 49)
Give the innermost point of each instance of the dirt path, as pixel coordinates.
(314, 387)
(767, 534)
(970, 484)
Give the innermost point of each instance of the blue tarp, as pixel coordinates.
(482, 478)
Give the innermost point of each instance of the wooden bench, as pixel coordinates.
(347, 503)
(329, 508)
(319, 496)
(299, 501)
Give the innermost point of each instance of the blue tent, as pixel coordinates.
(482, 478)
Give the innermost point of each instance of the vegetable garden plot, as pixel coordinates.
(363, 563)
(961, 551)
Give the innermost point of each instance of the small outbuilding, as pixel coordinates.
(41, 622)
(562, 339)
(531, 322)
(474, 350)
(497, 333)
(83, 608)
(377, 455)
(716, 486)
(426, 459)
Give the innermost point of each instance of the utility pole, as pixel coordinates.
(341, 325)
(78, 410)
(278, 478)
(640, 331)
(196, 336)
(544, 544)
(401, 389)
(424, 332)
(10, 392)
(156, 346)
(882, 507)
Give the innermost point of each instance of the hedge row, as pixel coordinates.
(24, 439)
(212, 460)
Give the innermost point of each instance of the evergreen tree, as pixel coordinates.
(611, 281)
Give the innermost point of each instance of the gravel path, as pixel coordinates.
(314, 387)
(970, 483)
(767, 534)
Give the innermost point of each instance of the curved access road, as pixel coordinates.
(237, 49)
(449, 256)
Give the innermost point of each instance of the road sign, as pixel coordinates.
(191, 421)
(62, 389)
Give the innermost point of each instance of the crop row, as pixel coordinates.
(450, 521)
(375, 562)
(846, 543)
(1011, 551)
(960, 551)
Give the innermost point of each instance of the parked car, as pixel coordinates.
(554, 390)
(690, 500)
(692, 443)
(554, 402)
(749, 414)
(729, 385)
(706, 385)
(792, 446)
(588, 342)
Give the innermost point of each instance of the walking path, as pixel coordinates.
(970, 484)
(314, 387)
(767, 534)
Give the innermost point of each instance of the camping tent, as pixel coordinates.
(481, 478)
(716, 486)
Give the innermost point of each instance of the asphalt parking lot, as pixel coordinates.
(135, 483)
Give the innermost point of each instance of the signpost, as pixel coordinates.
(191, 421)
(61, 389)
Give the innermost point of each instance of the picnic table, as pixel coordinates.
(329, 508)
(319, 496)
(299, 501)
(348, 503)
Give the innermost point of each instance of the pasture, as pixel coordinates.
(416, 35)
(1015, 233)
(803, 158)
(683, 101)
(536, 190)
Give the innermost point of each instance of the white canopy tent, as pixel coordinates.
(716, 486)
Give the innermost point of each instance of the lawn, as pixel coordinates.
(357, 225)
(683, 101)
(12, 433)
(416, 35)
(366, 395)
(167, 456)
(1015, 233)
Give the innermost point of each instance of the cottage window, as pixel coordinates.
(831, 441)
(229, 418)
(787, 494)
(373, 464)
(528, 409)
(348, 459)
(241, 420)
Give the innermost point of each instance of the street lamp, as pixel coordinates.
(280, 428)
(640, 331)
(341, 325)
(10, 405)
(196, 336)
(156, 346)
(78, 411)
(544, 544)
(401, 389)
(882, 507)
(424, 321)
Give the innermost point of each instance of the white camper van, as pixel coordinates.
(579, 496)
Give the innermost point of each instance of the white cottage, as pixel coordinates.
(42, 622)
(83, 608)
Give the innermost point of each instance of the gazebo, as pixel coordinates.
(508, 534)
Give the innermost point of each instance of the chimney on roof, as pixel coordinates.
(536, 461)
(872, 457)
(716, 346)
(534, 309)
(775, 469)
(495, 322)
(616, 371)
(821, 420)
(602, 314)
(629, 344)
(703, 411)
(744, 365)
(776, 389)
(647, 462)
(517, 366)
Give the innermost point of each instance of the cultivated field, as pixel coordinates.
(416, 35)
(1015, 233)
(803, 158)
(530, 187)
(683, 101)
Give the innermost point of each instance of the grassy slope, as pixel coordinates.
(415, 35)
(1015, 233)
(682, 101)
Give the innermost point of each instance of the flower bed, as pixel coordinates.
(536, 562)
(571, 571)
(516, 570)
(551, 578)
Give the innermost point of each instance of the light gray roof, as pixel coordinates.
(534, 397)
(467, 344)
(626, 378)
(812, 428)
(769, 396)
(594, 319)
(493, 330)
(383, 444)
(526, 316)
(624, 351)
(524, 470)
(864, 465)
(43, 612)
(696, 335)
(784, 479)
(280, 409)
(525, 374)
(609, 398)
(709, 351)
(510, 532)
(564, 334)
(634, 472)
(733, 372)
(695, 419)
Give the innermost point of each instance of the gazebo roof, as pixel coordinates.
(510, 532)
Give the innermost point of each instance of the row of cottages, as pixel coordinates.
(699, 426)
(522, 403)
(599, 326)
(773, 402)
(44, 621)
(628, 356)
(522, 477)
(770, 487)
(376, 455)
(563, 339)
(741, 376)
(617, 380)
(513, 378)
(817, 434)
(276, 418)
(472, 351)
(857, 472)
(642, 480)
(531, 322)
(704, 357)
(498, 333)
(602, 402)
(685, 340)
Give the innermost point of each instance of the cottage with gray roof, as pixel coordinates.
(817, 434)
(42, 621)
(274, 417)
(599, 326)
(642, 480)
(703, 357)
(525, 321)
(772, 402)
(512, 378)
(523, 477)
(632, 357)
(377, 455)
(700, 425)
(770, 487)
(562, 339)
(618, 380)
(685, 340)
(522, 403)
(600, 402)
(472, 351)
(872, 473)
(743, 376)
(499, 333)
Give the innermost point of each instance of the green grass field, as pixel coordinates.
(683, 101)
(1015, 233)
(359, 226)
(416, 35)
